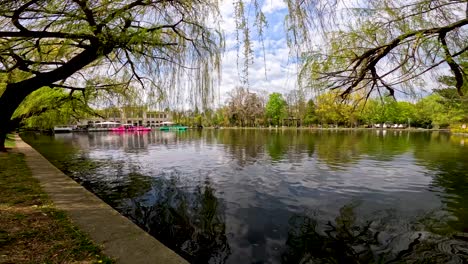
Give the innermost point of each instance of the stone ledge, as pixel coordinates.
(120, 238)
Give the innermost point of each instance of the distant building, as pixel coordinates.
(134, 115)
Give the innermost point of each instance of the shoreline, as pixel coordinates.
(336, 129)
(120, 238)
(276, 128)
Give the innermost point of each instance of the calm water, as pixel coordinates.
(257, 196)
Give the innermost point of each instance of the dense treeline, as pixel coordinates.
(243, 108)
(46, 108)
(247, 109)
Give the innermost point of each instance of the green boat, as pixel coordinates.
(168, 126)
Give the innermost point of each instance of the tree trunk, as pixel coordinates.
(16, 92)
(9, 101)
(2, 140)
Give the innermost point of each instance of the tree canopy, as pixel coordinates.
(172, 50)
(75, 44)
(275, 108)
(379, 46)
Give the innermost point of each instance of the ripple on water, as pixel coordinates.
(267, 196)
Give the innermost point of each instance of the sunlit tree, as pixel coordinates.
(275, 108)
(71, 44)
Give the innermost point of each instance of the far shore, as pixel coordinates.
(338, 128)
(292, 128)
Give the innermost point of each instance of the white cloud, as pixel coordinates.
(271, 6)
(226, 8)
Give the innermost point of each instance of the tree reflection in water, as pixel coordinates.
(347, 240)
(190, 221)
(254, 167)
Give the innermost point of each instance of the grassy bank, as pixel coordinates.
(9, 141)
(31, 230)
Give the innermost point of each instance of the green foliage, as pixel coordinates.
(367, 47)
(455, 105)
(388, 111)
(310, 116)
(331, 110)
(275, 108)
(47, 107)
(372, 112)
(94, 46)
(328, 109)
(10, 141)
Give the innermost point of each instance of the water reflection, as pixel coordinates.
(449, 169)
(191, 221)
(348, 240)
(334, 149)
(281, 196)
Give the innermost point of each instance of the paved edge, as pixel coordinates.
(120, 238)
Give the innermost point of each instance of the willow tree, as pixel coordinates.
(381, 46)
(71, 44)
(46, 107)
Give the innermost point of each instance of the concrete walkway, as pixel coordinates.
(121, 239)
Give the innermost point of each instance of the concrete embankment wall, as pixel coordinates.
(121, 239)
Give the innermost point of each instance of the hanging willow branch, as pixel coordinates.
(366, 46)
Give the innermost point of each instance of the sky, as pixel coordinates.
(277, 73)
(281, 70)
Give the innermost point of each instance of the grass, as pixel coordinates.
(10, 141)
(31, 229)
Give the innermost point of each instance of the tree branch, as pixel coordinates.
(121, 10)
(16, 15)
(454, 67)
(364, 63)
(97, 87)
(45, 34)
(83, 4)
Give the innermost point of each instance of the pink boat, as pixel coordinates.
(131, 128)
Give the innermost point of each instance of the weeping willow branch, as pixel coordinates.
(391, 43)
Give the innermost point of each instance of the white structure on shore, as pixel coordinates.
(137, 116)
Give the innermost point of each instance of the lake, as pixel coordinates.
(281, 196)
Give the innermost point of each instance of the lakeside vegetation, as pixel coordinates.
(99, 49)
(31, 229)
(9, 142)
(62, 61)
(242, 108)
(246, 109)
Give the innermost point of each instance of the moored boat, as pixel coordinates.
(63, 129)
(142, 128)
(104, 126)
(166, 126)
(130, 128)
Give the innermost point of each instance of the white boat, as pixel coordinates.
(63, 129)
(104, 126)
